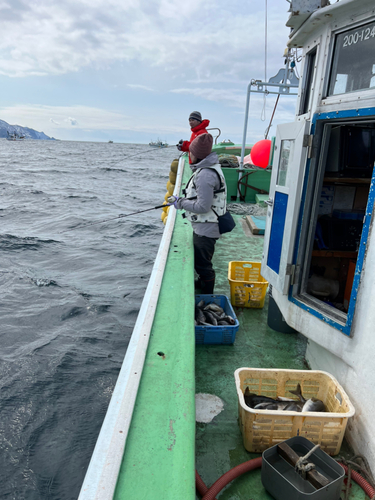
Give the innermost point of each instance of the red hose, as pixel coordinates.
(200, 485)
(255, 463)
(367, 488)
(226, 478)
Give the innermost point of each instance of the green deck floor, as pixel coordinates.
(219, 445)
(158, 462)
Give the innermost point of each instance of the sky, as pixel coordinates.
(133, 70)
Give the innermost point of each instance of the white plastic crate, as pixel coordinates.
(262, 429)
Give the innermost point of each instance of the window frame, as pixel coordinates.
(331, 52)
(309, 75)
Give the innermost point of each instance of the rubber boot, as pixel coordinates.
(208, 287)
(198, 284)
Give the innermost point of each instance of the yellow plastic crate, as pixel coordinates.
(247, 287)
(262, 429)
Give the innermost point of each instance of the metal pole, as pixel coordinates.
(244, 138)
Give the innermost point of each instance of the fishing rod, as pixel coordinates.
(113, 218)
(146, 150)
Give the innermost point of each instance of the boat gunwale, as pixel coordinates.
(102, 473)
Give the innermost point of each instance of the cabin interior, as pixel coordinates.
(343, 176)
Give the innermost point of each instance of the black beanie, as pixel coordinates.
(195, 115)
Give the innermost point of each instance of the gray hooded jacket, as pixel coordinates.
(206, 182)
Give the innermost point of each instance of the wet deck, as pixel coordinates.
(159, 459)
(219, 445)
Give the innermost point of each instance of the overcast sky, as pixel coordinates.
(133, 70)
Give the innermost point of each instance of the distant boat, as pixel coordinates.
(110, 142)
(158, 144)
(14, 137)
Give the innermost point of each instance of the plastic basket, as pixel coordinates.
(216, 334)
(262, 429)
(247, 287)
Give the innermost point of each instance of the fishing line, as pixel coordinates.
(263, 113)
(146, 151)
(112, 218)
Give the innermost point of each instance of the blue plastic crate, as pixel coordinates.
(216, 334)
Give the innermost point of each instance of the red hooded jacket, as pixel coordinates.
(198, 130)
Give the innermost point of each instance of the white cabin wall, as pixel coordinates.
(349, 359)
(360, 431)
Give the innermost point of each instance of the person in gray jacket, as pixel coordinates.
(204, 200)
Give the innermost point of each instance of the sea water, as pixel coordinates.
(68, 299)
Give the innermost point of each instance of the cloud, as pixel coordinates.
(233, 98)
(88, 118)
(52, 38)
(72, 121)
(114, 57)
(139, 86)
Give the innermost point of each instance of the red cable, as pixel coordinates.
(367, 488)
(226, 478)
(255, 463)
(200, 485)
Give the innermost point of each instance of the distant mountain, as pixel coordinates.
(29, 133)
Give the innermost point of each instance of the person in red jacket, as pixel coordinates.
(198, 127)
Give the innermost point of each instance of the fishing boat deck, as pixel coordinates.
(160, 455)
(219, 444)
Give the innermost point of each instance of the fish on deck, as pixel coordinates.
(259, 402)
(211, 314)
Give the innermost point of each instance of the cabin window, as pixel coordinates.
(353, 64)
(308, 80)
(338, 207)
(286, 156)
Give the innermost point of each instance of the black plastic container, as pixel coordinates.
(282, 482)
(275, 319)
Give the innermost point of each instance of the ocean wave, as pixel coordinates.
(111, 169)
(44, 282)
(11, 242)
(67, 307)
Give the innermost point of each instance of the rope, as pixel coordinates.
(265, 43)
(263, 112)
(364, 469)
(273, 114)
(347, 492)
(303, 466)
(246, 209)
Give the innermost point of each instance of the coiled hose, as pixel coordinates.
(226, 478)
(255, 463)
(367, 488)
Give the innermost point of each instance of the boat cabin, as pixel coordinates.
(319, 252)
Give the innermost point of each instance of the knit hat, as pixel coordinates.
(201, 146)
(195, 115)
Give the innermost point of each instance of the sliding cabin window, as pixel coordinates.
(353, 63)
(308, 80)
(336, 212)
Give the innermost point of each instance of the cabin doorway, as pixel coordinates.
(337, 205)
